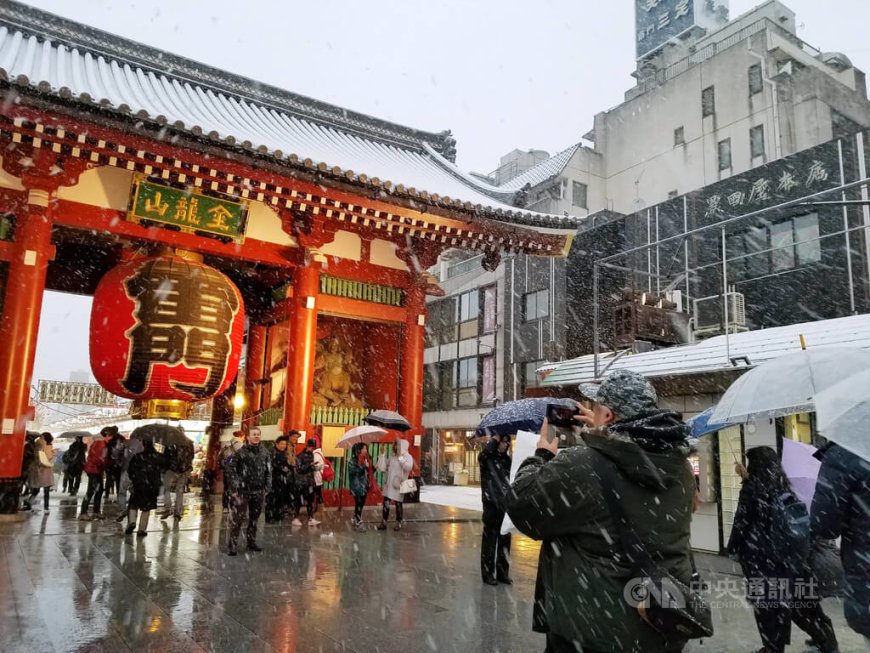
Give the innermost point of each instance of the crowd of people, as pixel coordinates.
(286, 480)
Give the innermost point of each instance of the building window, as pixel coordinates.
(755, 81)
(679, 136)
(466, 382)
(469, 306)
(760, 251)
(441, 326)
(529, 378)
(708, 102)
(756, 141)
(578, 195)
(725, 154)
(536, 305)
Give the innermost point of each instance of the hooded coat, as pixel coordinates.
(841, 508)
(397, 467)
(145, 471)
(495, 471)
(579, 593)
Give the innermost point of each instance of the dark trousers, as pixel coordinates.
(72, 479)
(34, 491)
(495, 548)
(306, 496)
(95, 492)
(276, 502)
(359, 503)
(242, 506)
(773, 620)
(400, 511)
(113, 480)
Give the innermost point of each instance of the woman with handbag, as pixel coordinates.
(397, 466)
(773, 556)
(42, 471)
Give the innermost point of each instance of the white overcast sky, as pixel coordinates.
(501, 74)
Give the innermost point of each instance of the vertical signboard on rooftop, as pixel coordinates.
(659, 21)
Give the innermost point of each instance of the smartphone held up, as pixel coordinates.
(562, 425)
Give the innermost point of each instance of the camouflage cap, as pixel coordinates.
(624, 392)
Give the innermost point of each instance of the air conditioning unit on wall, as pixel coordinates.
(709, 314)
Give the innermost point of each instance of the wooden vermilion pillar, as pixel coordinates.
(19, 326)
(255, 363)
(411, 391)
(302, 345)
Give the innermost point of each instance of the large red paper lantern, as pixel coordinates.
(166, 328)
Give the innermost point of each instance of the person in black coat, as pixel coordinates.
(781, 587)
(841, 508)
(495, 468)
(282, 482)
(74, 459)
(249, 479)
(145, 472)
(305, 468)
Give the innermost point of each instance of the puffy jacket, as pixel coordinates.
(841, 508)
(75, 456)
(179, 457)
(249, 470)
(495, 471)
(305, 468)
(145, 470)
(283, 473)
(357, 473)
(579, 593)
(96, 460)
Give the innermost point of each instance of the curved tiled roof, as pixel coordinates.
(54, 56)
(541, 172)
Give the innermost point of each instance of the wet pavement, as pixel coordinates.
(67, 585)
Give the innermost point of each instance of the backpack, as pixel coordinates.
(790, 528)
(327, 473)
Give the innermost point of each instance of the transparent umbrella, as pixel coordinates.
(843, 413)
(788, 384)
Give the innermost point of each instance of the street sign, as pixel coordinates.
(71, 392)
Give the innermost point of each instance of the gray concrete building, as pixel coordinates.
(712, 99)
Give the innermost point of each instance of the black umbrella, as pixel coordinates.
(161, 434)
(388, 419)
(519, 415)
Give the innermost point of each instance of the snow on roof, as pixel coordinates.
(541, 172)
(714, 354)
(57, 57)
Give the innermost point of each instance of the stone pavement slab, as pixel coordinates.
(77, 586)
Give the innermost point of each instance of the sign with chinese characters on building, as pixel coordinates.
(74, 393)
(799, 175)
(187, 210)
(659, 21)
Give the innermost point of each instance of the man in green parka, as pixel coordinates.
(583, 590)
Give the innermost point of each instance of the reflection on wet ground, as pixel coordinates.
(67, 585)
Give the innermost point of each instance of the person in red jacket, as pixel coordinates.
(95, 465)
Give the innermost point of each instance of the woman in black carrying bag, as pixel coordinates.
(767, 540)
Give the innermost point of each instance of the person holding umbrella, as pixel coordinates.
(361, 479)
(495, 468)
(144, 473)
(397, 466)
(772, 555)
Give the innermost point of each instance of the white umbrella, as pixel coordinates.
(788, 384)
(843, 414)
(359, 434)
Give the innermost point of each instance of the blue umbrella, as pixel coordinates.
(519, 415)
(700, 424)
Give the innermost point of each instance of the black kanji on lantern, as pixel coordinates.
(184, 315)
